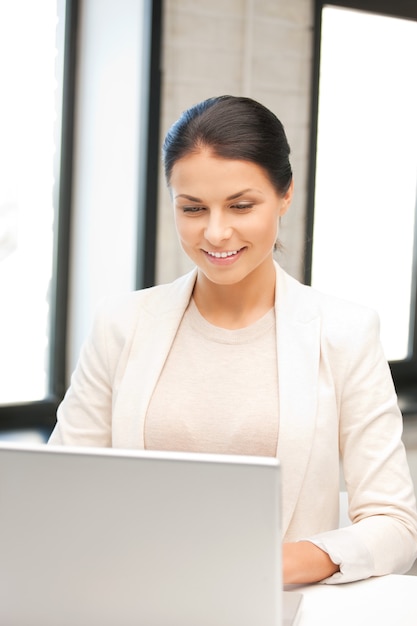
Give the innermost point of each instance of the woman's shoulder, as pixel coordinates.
(341, 319)
(158, 300)
(309, 299)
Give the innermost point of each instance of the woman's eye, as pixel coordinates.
(242, 205)
(192, 209)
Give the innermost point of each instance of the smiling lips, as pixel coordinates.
(221, 256)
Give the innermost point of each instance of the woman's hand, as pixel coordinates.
(304, 562)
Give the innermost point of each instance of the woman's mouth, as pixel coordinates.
(223, 257)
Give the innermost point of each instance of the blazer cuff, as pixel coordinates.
(349, 553)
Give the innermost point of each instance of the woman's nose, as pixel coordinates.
(217, 229)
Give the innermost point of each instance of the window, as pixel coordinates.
(361, 231)
(36, 74)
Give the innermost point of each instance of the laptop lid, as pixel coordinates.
(104, 537)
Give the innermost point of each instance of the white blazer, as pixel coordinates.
(337, 401)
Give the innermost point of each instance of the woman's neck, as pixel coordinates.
(237, 305)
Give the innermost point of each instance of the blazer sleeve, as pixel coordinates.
(383, 536)
(84, 417)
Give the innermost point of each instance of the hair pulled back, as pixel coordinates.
(232, 128)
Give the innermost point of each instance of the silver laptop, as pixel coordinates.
(93, 537)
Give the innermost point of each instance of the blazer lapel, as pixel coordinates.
(298, 338)
(151, 344)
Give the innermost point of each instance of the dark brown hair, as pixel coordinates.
(233, 128)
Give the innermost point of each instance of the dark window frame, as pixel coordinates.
(150, 130)
(404, 372)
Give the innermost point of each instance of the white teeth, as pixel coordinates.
(222, 255)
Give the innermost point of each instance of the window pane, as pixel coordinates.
(366, 177)
(28, 81)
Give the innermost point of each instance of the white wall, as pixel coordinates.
(107, 158)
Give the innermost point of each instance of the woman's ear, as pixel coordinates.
(286, 199)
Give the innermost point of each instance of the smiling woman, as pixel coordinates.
(229, 232)
(228, 169)
(239, 358)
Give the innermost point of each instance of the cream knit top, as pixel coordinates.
(218, 391)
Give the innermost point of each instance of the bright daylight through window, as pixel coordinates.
(366, 176)
(28, 78)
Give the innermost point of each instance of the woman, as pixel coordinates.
(238, 357)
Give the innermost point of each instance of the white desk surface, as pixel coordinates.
(384, 601)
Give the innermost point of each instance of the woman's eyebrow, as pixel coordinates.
(187, 197)
(232, 197)
(239, 193)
